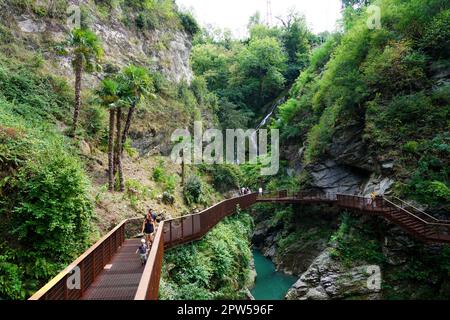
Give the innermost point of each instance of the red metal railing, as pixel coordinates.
(416, 211)
(180, 231)
(413, 220)
(193, 227)
(149, 284)
(86, 268)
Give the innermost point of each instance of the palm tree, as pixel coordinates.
(136, 83)
(85, 50)
(109, 97)
(118, 150)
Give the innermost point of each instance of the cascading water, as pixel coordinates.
(253, 138)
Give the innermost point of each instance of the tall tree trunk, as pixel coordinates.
(77, 107)
(183, 173)
(111, 164)
(127, 125)
(119, 148)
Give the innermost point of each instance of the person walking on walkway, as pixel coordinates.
(154, 217)
(148, 227)
(373, 196)
(143, 250)
(260, 191)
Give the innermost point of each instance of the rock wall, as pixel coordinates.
(327, 279)
(166, 50)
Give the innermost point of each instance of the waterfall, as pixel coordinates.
(253, 138)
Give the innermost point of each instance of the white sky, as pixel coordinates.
(321, 15)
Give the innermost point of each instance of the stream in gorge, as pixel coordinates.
(269, 284)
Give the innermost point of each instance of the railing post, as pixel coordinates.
(93, 264)
(182, 228)
(82, 275)
(65, 287)
(102, 247)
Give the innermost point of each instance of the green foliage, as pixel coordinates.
(159, 173)
(94, 122)
(260, 71)
(152, 14)
(225, 176)
(134, 83)
(321, 55)
(437, 35)
(10, 277)
(396, 69)
(193, 190)
(189, 23)
(199, 87)
(380, 80)
(216, 267)
(85, 49)
(411, 146)
(171, 183)
(35, 97)
(45, 206)
(418, 278)
(248, 75)
(212, 62)
(320, 135)
(127, 146)
(355, 246)
(136, 191)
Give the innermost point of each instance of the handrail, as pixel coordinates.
(192, 227)
(421, 211)
(219, 204)
(78, 262)
(405, 211)
(187, 228)
(149, 283)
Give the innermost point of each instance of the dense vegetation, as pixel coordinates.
(145, 15)
(216, 267)
(384, 80)
(423, 275)
(388, 81)
(45, 207)
(46, 199)
(248, 75)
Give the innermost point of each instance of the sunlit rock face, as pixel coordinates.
(327, 279)
(165, 50)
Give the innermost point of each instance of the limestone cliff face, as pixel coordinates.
(166, 50)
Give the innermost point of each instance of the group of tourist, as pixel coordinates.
(244, 191)
(148, 228)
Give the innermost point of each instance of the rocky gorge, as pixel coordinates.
(309, 245)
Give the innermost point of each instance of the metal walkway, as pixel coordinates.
(111, 270)
(120, 278)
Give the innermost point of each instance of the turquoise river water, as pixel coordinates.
(270, 284)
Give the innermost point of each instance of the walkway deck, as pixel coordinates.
(111, 269)
(120, 278)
